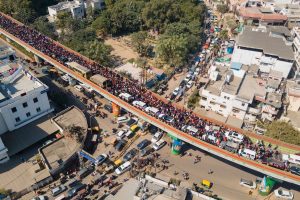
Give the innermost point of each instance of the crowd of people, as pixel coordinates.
(119, 84)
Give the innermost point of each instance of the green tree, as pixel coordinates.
(99, 52)
(173, 50)
(141, 62)
(158, 13)
(222, 8)
(139, 42)
(283, 131)
(102, 24)
(44, 26)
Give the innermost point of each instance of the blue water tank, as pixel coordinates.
(230, 49)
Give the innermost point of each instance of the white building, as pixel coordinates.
(296, 46)
(263, 48)
(23, 99)
(77, 8)
(238, 91)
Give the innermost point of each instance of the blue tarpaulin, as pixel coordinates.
(197, 59)
(236, 65)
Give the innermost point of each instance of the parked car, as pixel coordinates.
(248, 183)
(188, 78)
(295, 170)
(120, 145)
(176, 91)
(159, 144)
(143, 144)
(121, 134)
(190, 84)
(79, 88)
(101, 159)
(130, 154)
(56, 191)
(131, 122)
(147, 151)
(41, 197)
(284, 194)
(108, 108)
(73, 191)
(157, 136)
(123, 168)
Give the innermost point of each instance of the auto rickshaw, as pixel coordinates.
(134, 128)
(206, 183)
(118, 162)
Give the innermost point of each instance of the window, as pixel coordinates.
(35, 100)
(28, 114)
(222, 106)
(14, 109)
(25, 105)
(204, 98)
(38, 109)
(17, 119)
(243, 104)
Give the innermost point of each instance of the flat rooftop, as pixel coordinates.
(220, 85)
(69, 117)
(28, 135)
(64, 5)
(250, 88)
(6, 51)
(263, 41)
(59, 151)
(23, 82)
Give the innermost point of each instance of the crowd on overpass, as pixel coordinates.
(182, 119)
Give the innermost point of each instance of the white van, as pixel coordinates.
(192, 129)
(122, 119)
(292, 158)
(123, 168)
(247, 153)
(152, 110)
(126, 96)
(139, 104)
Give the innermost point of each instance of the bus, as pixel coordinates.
(83, 71)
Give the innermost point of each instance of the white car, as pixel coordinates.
(121, 134)
(41, 197)
(79, 88)
(284, 194)
(159, 144)
(176, 91)
(188, 77)
(123, 168)
(190, 84)
(157, 136)
(248, 183)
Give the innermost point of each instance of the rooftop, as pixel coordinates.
(274, 99)
(29, 134)
(64, 5)
(16, 81)
(250, 88)
(6, 51)
(222, 85)
(78, 67)
(263, 41)
(256, 13)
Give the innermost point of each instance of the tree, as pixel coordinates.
(99, 52)
(140, 43)
(222, 8)
(102, 24)
(142, 63)
(173, 50)
(158, 13)
(283, 131)
(44, 26)
(63, 20)
(76, 132)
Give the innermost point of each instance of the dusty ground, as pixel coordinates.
(121, 48)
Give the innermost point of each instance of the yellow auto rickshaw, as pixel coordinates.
(206, 183)
(118, 162)
(134, 128)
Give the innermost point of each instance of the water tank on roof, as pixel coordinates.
(229, 76)
(214, 75)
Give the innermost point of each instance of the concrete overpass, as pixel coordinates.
(276, 173)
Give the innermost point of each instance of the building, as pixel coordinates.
(23, 98)
(296, 47)
(240, 91)
(77, 8)
(293, 96)
(265, 48)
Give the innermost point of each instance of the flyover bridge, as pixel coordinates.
(276, 173)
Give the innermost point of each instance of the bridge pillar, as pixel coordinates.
(176, 145)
